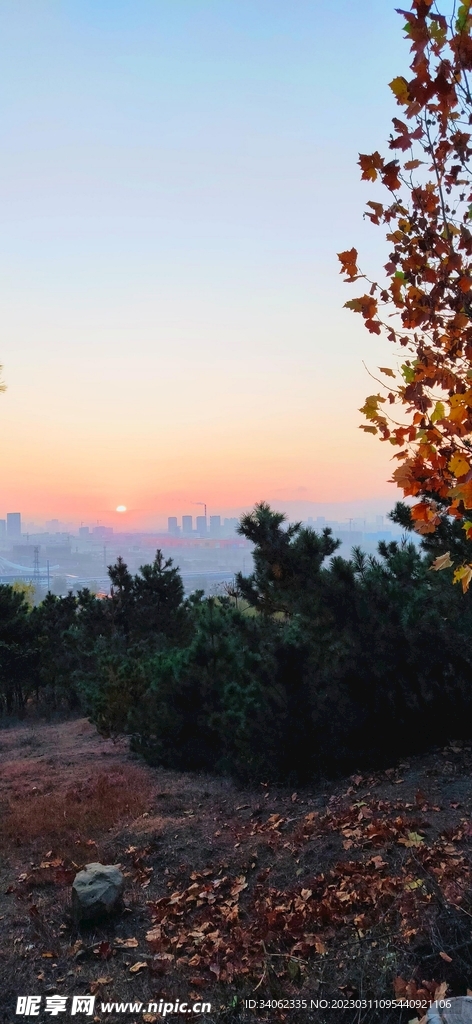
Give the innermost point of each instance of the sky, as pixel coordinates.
(176, 178)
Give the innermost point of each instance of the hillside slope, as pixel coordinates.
(355, 891)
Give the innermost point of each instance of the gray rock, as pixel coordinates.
(459, 1011)
(96, 891)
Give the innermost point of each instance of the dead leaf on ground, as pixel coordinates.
(104, 950)
(96, 985)
(412, 839)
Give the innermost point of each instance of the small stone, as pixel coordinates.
(96, 891)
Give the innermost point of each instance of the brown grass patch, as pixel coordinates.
(62, 817)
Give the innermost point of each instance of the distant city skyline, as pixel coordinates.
(207, 550)
(138, 522)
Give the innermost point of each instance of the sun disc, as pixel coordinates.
(121, 508)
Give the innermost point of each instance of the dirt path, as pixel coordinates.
(339, 890)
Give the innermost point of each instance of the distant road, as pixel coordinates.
(103, 582)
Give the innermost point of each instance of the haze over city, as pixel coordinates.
(176, 181)
(208, 550)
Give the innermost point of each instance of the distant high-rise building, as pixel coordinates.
(103, 531)
(84, 531)
(229, 526)
(173, 526)
(201, 522)
(3, 529)
(187, 525)
(215, 526)
(379, 521)
(52, 526)
(13, 525)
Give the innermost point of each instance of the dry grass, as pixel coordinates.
(62, 786)
(61, 817)
(71, 796)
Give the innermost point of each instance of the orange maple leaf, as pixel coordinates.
(348, 261)
(370, 164)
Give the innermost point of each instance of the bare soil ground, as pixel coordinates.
(354, 891)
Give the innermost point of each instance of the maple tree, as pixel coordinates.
(425, 302)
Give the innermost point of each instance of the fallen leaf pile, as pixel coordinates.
(239, 919)
(229, 925)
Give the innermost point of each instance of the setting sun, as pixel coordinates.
(120, 508)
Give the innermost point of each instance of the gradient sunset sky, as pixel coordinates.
(176, 179)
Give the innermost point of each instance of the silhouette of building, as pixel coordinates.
(229, 526)
(3, 529)
(13, 525)
(215, 526)
(23, 553)
(187, 525)
(172, 526)
(103, 531)
(84, 531)
(201, 526)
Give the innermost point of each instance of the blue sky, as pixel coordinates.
(175, 181)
